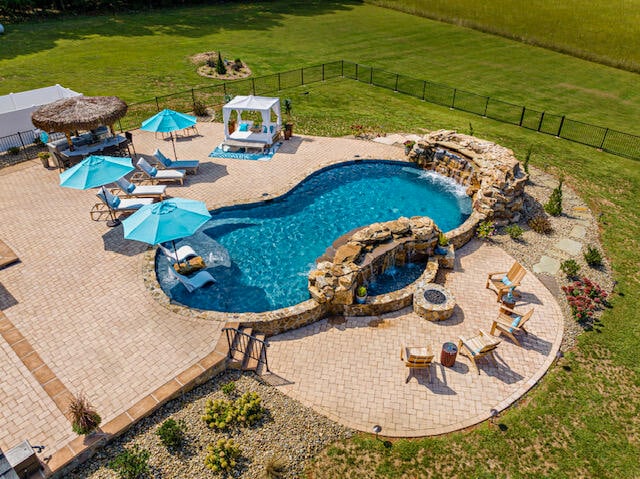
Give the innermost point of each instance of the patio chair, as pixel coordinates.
(141, 191)
(191, 166)
(184, 253)
(416, 358)
(155, 176)
(197, 281)
(115, 204)
(478, 347)
(509, 322)
(507, 280)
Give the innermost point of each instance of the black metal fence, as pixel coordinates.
(603, 138)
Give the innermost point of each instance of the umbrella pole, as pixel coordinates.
(175, 250)
(175, 155)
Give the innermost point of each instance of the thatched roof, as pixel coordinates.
(79, 113)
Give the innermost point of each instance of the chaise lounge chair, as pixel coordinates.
(507, 280)
(155, 176)
(197, 281)
(417, 358)
(191, 166)
(141, 191)
(182, 254)
(478, 347)
(114, 204)
(510, 322)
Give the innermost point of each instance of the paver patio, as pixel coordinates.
(78, 299)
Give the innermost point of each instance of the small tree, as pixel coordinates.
(220, 68)
(288, 107)
(554, 205)
(527, 158)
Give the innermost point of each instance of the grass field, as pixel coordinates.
(583, 420)
(605, 32)
(142, 55)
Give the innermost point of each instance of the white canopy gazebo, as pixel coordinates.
(246, 132)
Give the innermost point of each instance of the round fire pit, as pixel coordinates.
(433, 302)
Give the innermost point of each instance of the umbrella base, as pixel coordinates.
(113, 223)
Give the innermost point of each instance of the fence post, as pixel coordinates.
(424, 88)
(560, 127)
(396, 87)
(486, 105)
(541, 120)
(253, 86)
(453, 100)
(606, 132)
(302, 76)
(21, 142)
(522, 116)
(157, 104)
(323, 72)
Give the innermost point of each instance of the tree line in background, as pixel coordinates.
(22, 10)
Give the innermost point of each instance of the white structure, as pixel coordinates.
(16, 108)
(246, 131)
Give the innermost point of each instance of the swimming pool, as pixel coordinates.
(261, 254)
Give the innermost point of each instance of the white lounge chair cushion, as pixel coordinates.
(184, 252)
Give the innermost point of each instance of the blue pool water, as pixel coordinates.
(260, 254)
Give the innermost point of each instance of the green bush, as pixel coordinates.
(132, 463)
(14, 150)
(554, 205)
(540, 224)
(221, 413)
(593, 257)
(249, 408)
(171, 433)
(220, 68)
(222, 456)
(485, 230)
(514, 231)
(442, 240)
(199, 108)
(570, 267)
(229, 388)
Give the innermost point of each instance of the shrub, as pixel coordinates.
(132, 463)
(526, 159)
(237, 65)
(554, 205)
(442, 239)
(361, 292)
(275, 467)
(220, 68)
(514, 231)
(219, 414)
(171, 433)
(470, 129)
(249, 408)
(199, 108)
(222, 456)
(584, 297)
(14, 150)
(540, 224)
(570, 267)
(211, 63)
(229, 388)
(84, 419)
(485, 230)
(593, 257)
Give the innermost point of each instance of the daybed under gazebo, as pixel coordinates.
(248, 134)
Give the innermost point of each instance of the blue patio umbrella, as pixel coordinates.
(168, 121)
(166, 221)
(95, 171)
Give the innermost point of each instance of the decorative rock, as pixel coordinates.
(547, 265)
(569, 246)
(347, 253)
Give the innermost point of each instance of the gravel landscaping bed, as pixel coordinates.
(289, 431)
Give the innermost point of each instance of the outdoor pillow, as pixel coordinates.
(271, 128)
(515, 323)
(153, 171)
(130, 188)
(244, 127)
(264, 129)
(506, 281)
(115, 202)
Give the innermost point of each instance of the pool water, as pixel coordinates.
(261, 254)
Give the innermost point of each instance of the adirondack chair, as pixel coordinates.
(417, 358)
(478, 347)
(509, 322)
(506, 281)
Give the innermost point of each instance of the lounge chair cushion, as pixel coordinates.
(271, 128)
(115, 202)
(153, 171)
(130, 188)
(506, 281)
(264, 129)
(244, 127)
(515, 323)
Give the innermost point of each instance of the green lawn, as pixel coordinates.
(142, 55)
(605, 32)
(583, 420)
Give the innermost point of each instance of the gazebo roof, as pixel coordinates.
(79, 113)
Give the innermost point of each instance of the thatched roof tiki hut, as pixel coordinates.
(79, 113)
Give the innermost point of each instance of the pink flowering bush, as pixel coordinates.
(585, 298)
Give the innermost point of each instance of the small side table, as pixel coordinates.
(505, 303)
(448, 354)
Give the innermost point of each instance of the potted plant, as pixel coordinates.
(443, 242)
(84, 419)
(408, 145)
(288, 126)
(361, 295)
(44, 158)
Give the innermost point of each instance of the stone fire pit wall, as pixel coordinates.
(490, 172)
(368, 253)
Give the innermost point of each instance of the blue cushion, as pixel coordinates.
(115, 202)
(244, 127)
(271, 128)
(130, 188)
(264, 129)
(515, 323)
(506, 281)
(153, 171)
